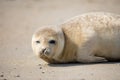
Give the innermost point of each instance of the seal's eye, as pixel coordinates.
(52, 41)
(37, 41)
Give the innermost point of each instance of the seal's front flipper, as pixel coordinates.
(92, 59)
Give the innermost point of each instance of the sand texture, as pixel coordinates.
(18, 21)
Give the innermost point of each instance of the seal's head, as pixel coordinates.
(48, 43)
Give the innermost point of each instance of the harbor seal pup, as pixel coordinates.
(91, 37)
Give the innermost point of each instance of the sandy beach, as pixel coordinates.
(18, 21)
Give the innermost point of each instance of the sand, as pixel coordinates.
(18, 21)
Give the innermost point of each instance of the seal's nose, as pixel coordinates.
(43, 51)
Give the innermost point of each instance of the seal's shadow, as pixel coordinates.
(80, 64)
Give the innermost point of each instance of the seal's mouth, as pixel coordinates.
(45, 53)
(41, 54)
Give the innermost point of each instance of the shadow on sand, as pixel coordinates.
(80, 64)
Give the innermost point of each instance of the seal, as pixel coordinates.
(88, 38)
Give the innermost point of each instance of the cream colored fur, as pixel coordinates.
(91, 37)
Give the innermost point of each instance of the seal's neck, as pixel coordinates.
(68, 48)
(61, 43)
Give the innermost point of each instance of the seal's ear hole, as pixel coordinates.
(37, 41)
(52, 42)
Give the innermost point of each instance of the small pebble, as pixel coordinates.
(1, 75)
(16, 48)
(17, 75)
(4, 79)
(40, 67)
(14, 68)
(30, 72)
(92, 74)
(43, 72)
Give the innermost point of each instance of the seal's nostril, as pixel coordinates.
(43, 51)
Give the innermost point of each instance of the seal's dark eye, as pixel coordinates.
(37, 41)
(52, 41)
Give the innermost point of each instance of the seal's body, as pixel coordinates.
(92, 37)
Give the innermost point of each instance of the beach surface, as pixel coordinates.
(19, 19)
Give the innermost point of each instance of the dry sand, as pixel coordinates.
(20, 18)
